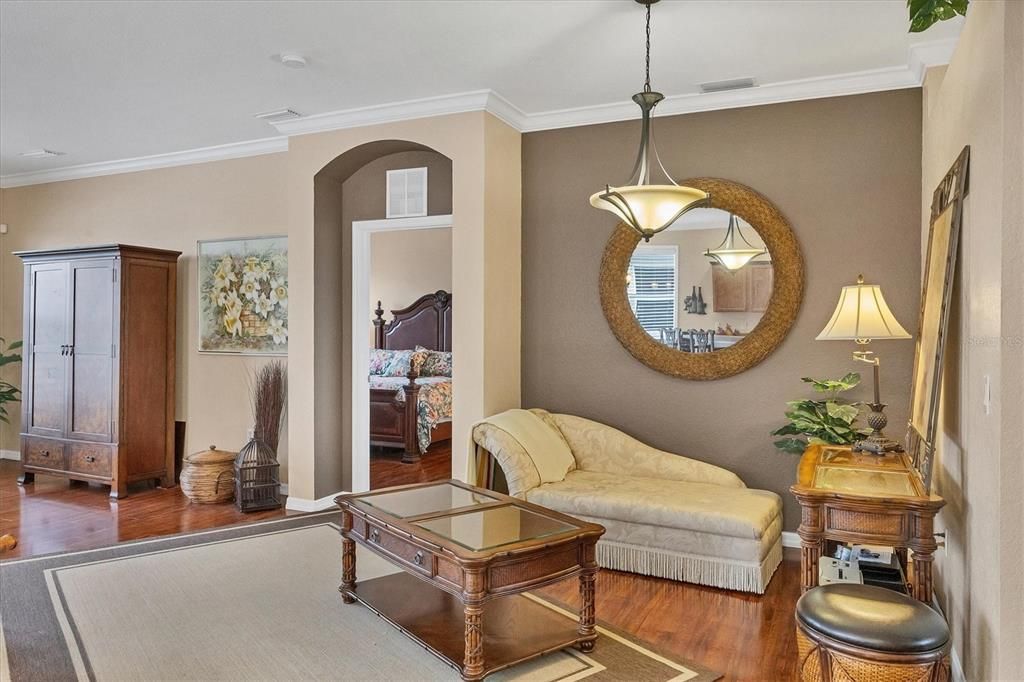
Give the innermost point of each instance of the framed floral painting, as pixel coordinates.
(243, 296)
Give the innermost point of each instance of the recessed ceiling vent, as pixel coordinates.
(278, 115)
(723, 86)
(40, 154)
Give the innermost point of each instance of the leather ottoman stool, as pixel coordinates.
(862, 633)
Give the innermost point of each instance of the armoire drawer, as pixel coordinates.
(43, 453)
(90, 459)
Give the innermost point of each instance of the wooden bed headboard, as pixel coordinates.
(427, 323)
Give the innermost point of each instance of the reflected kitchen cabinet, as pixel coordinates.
(740, 291)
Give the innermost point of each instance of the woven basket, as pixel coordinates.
(208, 477)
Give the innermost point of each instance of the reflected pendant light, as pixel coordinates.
(645, 206)
(731, 255)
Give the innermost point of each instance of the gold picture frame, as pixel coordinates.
(933, 322)
(775, 323)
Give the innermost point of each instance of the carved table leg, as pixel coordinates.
(812, 540)
(923, 545)
(472, 597)
(587, 616)
(348, 560)
(923, 576)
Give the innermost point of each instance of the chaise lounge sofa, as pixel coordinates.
(666, 515)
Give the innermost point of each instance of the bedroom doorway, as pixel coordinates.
(402, 301)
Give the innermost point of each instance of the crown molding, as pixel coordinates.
(442, 105)
(221, 152)
(921, 56)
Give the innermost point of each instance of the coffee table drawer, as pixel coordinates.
(400, 549)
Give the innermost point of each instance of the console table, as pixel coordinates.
(863, 498)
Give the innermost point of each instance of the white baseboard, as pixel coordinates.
(790, 539)
(10, 454)
(306, 505)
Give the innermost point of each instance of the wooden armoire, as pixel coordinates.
(98, 364)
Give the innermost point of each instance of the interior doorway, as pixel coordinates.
(402, 298)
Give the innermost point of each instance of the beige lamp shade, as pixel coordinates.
(648, 209)
(862, 315)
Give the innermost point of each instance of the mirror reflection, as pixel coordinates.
(702, 284)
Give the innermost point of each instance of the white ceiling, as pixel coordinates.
(103, 81)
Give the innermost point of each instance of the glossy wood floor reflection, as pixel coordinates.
(55, 515)
(386, 468)
(742, 636)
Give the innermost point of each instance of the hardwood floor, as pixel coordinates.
(743, 636)
(53, 515)
(386, 468)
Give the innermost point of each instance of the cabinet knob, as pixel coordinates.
(375, 535)
(46, 453)
(90, 458)
(418, 558)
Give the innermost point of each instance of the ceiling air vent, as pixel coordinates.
(407, 193)
(723, 86)
(278, 115)
(40, 154)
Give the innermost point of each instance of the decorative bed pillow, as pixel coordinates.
(390, 363)
(434, 363)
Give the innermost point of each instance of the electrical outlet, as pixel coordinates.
(986, 398)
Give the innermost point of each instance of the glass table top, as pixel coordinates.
(494, 526)
(426, 500)
(864, 481)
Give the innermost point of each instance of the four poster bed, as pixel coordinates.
(410, 376)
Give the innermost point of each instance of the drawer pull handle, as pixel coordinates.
(46, 453)
(375, 535)
(90, 458)
(418, 558)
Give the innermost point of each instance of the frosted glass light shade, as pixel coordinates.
(734, 259)
(648, 209)
(862, 314)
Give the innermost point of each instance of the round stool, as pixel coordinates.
(862, 633)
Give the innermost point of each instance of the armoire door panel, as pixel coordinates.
(91, 403)
(49, 388)
(46, 388)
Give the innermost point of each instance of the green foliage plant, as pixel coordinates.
(831, 421)
(924, 13)
(9, 393)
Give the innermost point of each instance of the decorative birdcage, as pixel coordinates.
(257, 484)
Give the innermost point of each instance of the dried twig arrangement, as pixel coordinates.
(269, 394)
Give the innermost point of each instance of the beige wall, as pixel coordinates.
(274, 194)
(169, 208)
(486, 172)
(844, 171)
(407, 264)
(978, 100)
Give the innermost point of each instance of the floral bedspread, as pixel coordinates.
(433, 406)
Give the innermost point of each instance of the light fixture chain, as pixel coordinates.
(647, 62)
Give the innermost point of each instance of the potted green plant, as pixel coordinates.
(9, 393)
(831, 421)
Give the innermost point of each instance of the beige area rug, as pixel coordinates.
(257, 602)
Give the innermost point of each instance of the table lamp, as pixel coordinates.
(862, 315)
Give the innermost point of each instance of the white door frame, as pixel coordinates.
(361, 311)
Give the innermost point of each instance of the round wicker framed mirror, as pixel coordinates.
(632, 272)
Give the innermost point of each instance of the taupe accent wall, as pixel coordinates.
(845, 171)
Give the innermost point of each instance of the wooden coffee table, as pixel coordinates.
(461, 548)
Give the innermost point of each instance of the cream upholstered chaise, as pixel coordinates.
(666, 515)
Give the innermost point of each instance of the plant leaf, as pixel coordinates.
(794, 446)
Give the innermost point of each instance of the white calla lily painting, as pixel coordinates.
(243, 296)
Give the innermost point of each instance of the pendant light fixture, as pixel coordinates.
(645, 206)
(731, 255)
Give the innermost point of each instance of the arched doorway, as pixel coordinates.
(342, 197)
